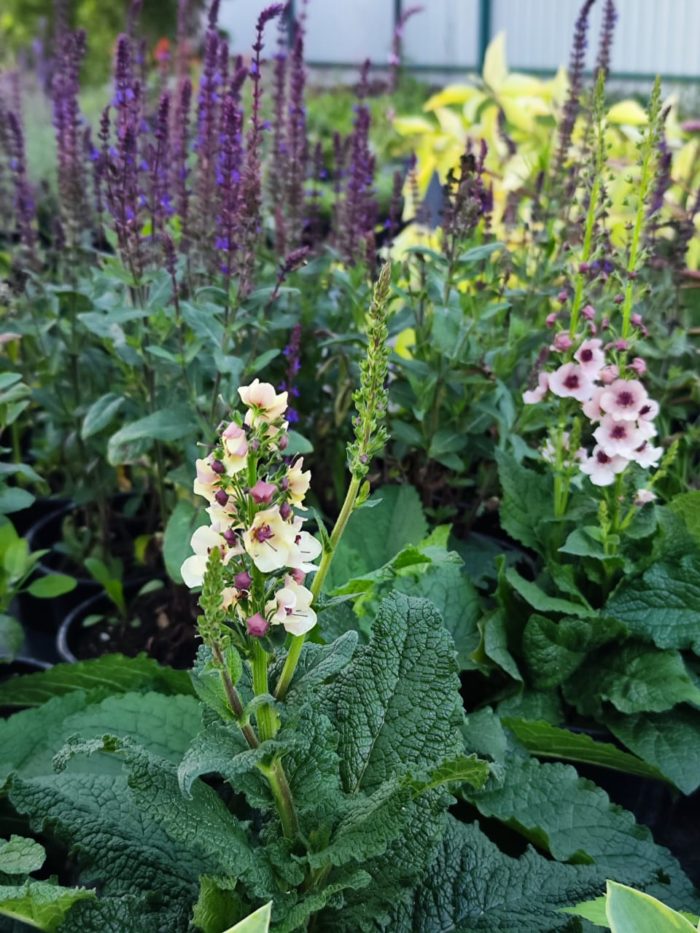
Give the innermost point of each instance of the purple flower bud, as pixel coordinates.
(257, 625)
(562, 341)
(243, 581)
(262, 492)
(584, 267)
(618, 299)
(283, 441)
(588, 312)
(218, 467)
(285, 510)
(230, 537)
(563, 295)
(221, 497)
(284, 484)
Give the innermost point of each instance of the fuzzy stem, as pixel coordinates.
(233, 698)
(282, 793)
(265, 715)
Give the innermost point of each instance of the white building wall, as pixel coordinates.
(652, 36)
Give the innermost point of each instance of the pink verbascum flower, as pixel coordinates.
(591, 408)
(624, 399)
(618, 438)
(264, 404)
(590, 357)
(643, 497)
(570, 381)
(206, 481)
(601, 468)
(647, 456)
(533, 396)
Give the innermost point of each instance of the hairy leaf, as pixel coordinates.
(112, 672)
(668, 741)
(20, 856)
(554, 650)
(396, 704)
(39, 903)
(664, 605)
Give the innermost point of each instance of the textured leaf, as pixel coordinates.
(396, 704)
(155, 913)
(630, 911)
(454, 596)
(687, 506)
(373, 536)
(319, 663)
(526, 499)
(554, 650)
(664, 605)
(667, 741)
(494, 644)
(39, 903)
(20, 856)
(113, 672)
(470, 886)
(544, 740)
(635, 678)
(550, 805)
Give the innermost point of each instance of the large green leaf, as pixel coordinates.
(543, 602)
(376, 534)
(668, 741)
(112, 672)
(168, 424)
(20, 856)
(553, 649)
(544, 740)
(396, 704)
(470, 886)
(630, 911)
(525, 501)
(687, 506)
(40, 904)
(664, 605)
(551, 806)
(100, 414)
(634, 678)
(257, 922)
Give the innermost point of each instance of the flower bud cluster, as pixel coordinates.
(611, 397)
(254, 495)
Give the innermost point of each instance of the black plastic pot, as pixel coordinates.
(47, 615)
(177, 640)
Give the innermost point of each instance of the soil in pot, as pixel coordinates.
(162, 623)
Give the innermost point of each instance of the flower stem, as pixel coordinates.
(284, 801)
(265, 714)
(292, 659)
(233, 698)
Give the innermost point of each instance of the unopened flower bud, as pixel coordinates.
(638, 365)
(551, 319)
(636, 319)
(262, 492)
(221, 497)
(243, 581)
(298, 576)
(643, 496)
(588, 311)
(255, 444)
(257, 625)
(230, 537)
(618, 299)
(283, 441)
(218, 467)
(584, 267)
(621, 345)
(562, 341)
(284, 484)
(285, 510)
(563, 295)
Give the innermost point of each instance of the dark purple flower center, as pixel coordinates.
(618, 432)
(263, 533)
(586, 355)
(602, 457)
(625, 398)
(572, 381)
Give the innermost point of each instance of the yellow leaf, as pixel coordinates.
(405, 340)
(452, 94)
(412, 126)
(495, 67)
(627, 113)
(450, 122)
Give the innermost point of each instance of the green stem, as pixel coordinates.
(294, 653)
(265, 714)
(233, 698)
(284, 801)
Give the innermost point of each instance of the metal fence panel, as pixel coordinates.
(653, 36)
